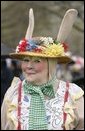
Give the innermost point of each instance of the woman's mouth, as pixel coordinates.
(30, 73)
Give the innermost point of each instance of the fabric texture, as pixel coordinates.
(9, 107)
(37, 114)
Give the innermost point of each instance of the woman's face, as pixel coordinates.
(35, 69)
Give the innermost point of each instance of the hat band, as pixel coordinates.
(48, 46)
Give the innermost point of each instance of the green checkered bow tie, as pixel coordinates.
(37, 112)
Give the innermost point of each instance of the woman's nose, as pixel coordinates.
(30, 65)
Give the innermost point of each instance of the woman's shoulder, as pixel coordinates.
(12, 90)
(15, 81)
(74, 90)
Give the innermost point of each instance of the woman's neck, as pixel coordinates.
(39, 82)
(44, 82)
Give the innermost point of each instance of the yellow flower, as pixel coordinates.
(54, 50)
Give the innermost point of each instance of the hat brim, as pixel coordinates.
(21, 55)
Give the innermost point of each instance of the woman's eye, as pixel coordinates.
(37, 61)
(26, 60)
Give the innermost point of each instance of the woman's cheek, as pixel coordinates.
(39, 67)
(23, 66)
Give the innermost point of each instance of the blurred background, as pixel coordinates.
(48, 16)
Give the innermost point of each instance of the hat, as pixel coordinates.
(46, 47)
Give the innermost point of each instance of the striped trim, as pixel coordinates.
(65, 100)
(19, 106)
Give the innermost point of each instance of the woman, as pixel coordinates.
(41, 101)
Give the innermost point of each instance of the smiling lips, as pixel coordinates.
(30, 73)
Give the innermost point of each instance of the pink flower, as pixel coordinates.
(37, 50)
(66, 47)
(22, 45)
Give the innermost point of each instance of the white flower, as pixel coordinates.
(17, 49)
(50, 40)
(46, 40)
(20, 42)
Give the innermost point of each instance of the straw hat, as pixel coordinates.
(46, 47)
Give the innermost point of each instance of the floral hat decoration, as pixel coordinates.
(46, 47)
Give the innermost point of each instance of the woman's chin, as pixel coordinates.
(31, 79)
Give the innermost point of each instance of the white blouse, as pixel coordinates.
(54, 107)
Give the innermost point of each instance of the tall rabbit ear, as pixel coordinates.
(31, 25)
(66, 24)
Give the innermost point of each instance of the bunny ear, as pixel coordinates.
(66, 24)
(31, 25)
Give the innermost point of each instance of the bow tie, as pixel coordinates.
(37, 112)
(44, 89)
